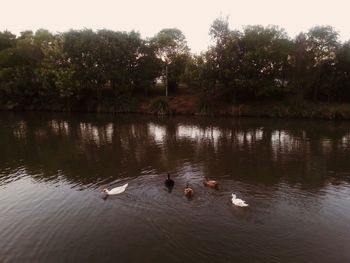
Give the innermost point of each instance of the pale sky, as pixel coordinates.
(192, 17)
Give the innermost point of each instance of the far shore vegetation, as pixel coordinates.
(256, 71)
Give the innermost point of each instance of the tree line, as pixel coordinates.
(86, 68)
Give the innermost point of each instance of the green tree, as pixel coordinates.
(265, 60)
(314, 60)
(19, 66)
(250, 64)
(342, 81)
(323, 43)
(7, 40)
(171, 47)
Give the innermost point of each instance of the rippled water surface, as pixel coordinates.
(295, 176)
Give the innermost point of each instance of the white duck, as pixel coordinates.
(116, 190)
(238, 202)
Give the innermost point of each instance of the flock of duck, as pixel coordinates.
(188, 190)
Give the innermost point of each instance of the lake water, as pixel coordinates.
(295, 176)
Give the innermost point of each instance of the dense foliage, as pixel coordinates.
(264, 63)
(84, 69)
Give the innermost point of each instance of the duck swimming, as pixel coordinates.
(188, 192)
(238, 202)
(169, 183)
(210, 183)
(116, 190)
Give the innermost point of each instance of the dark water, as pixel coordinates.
(295, 175)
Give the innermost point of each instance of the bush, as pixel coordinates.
(160, 106)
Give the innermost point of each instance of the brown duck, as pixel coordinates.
(188, 191)
(210, 183)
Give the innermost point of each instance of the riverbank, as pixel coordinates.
(189, 104)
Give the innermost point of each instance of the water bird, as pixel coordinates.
(169, 183)
(188, 191)
(210, 183)
(238, 202)
(116, 190)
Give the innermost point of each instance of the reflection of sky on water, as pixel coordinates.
(157, 132)
(282, 141)
(191, 132)
(20, 131)
(248, 137)
(59, 127)
(345, 140)
(165, 145)
(210, 134)
(98, 134)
